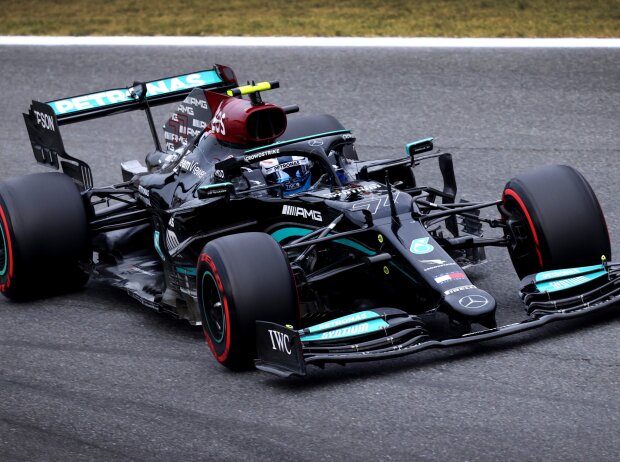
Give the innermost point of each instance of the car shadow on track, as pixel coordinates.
(118, 300)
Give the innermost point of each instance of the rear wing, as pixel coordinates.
(162, 91)
(43, 119)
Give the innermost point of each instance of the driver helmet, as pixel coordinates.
(292, 172)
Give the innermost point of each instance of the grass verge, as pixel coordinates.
(407, 18)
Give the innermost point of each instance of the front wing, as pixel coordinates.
(390, 333)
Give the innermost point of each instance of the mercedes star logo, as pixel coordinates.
(473, 301)
(315, 142)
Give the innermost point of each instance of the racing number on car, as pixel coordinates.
(421, 246)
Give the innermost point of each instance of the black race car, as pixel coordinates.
(268, 231)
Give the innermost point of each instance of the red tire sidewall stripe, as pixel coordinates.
(220, 357)
(5, 225)
(515, 196)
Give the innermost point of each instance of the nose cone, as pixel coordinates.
(471, 303)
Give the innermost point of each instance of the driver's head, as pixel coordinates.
(292, 172)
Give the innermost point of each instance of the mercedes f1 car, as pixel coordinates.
(266, 229)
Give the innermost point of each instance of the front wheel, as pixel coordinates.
(554, 221)
(241, 279)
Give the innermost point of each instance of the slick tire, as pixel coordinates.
(240, 279)
(555, 220)
(43, 236)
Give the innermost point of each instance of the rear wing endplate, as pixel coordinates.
(48, 147)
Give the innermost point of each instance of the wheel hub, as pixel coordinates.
(214, 308)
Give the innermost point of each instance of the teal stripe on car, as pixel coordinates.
(568, 272)
(157, 247)
(568, 283)
(285, 233)
(188, 271)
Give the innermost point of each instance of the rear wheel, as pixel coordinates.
(555, 221)
(243, 278)
(43, 236)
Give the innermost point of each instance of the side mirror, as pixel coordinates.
(420, 146)
(138, 91)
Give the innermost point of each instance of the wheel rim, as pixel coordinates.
(520, 205)
(214, 308)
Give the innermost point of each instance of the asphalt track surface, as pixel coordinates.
(93, 375)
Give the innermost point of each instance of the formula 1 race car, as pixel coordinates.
(269, 232)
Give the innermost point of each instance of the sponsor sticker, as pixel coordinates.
(553, 286)
(121, 95)
(566, 283)
(345, 193)
(260, 155)
(44, 120)
(433, 262)
(439, 266)
(562, 273)
(291, 185)
(280, 341)
(449, 277)
(143, 191)
(301, 212)
(473, 301)
(144, 195)
(193, 168)
(357, 317)
(277, 167)
(183, 109)
(459, 289)
(558, 274)
(343, 332)
(216, 192)
(372, 325)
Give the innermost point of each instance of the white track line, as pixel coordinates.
(366, 42)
